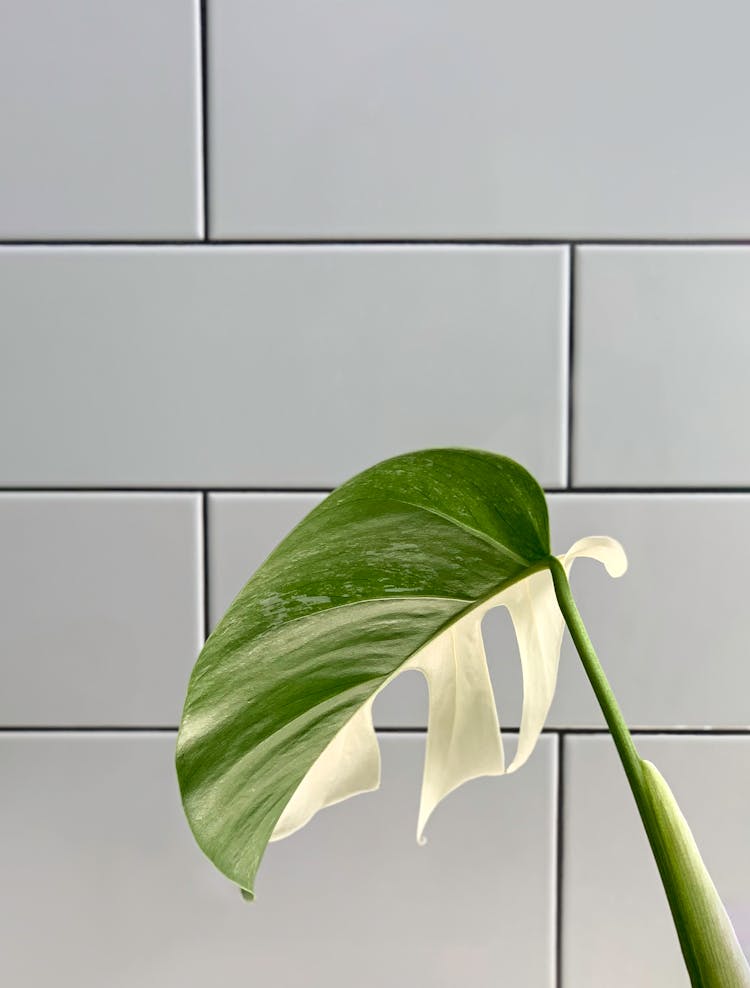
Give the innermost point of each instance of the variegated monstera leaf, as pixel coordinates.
(393, 571)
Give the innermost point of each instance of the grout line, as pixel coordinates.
(206, 588)
(349, 242)
(165, 490)
(89, 729)
(204, 116)
(560, 732)
(109, 242)
(653, 491)
(559, 848)
(571, 344)
(654, 731)
(604, 489)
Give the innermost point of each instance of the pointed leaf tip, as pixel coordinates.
(247, 895)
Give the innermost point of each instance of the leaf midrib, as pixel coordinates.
(477, 602)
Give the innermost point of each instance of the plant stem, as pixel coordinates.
(626, 749)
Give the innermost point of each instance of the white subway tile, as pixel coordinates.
(476, 119)
(103, 884)
(100, 117)
(661, 359)
(275, 367)
(617, 928)
(101, 607)
(672, 632)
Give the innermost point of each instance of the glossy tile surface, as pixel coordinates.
(617, 929)
(672, 632)
(99, 866)
(477, 119)
(275, 367)
(101, 607)
(661, 360)
(249, 248)
(100, 117)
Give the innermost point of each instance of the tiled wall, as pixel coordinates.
(252, 246)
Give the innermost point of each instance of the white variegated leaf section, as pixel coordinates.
(463, 733)
(349, 765)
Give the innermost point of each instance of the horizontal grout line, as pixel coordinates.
(656, 491)
(719, 489)
(551, 731)
(88, 729)
(387, 241)
(165, 490)
(603, 731)
(654, 731)
(125, 242)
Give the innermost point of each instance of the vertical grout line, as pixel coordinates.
(571, 341)
(203, 12)
(204, 527)
(559, 861)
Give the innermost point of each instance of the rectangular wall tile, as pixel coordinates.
(617, 929)
(275, 367)
(100, 117)
(662, 351)
(102, 607)
(469, 118)
(672, 633)
(99, 867)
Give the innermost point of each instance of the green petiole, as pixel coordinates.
(710, 950)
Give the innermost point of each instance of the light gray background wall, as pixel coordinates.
(250, 247)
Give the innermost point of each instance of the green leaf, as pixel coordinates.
(379, 575)
(713, 956)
